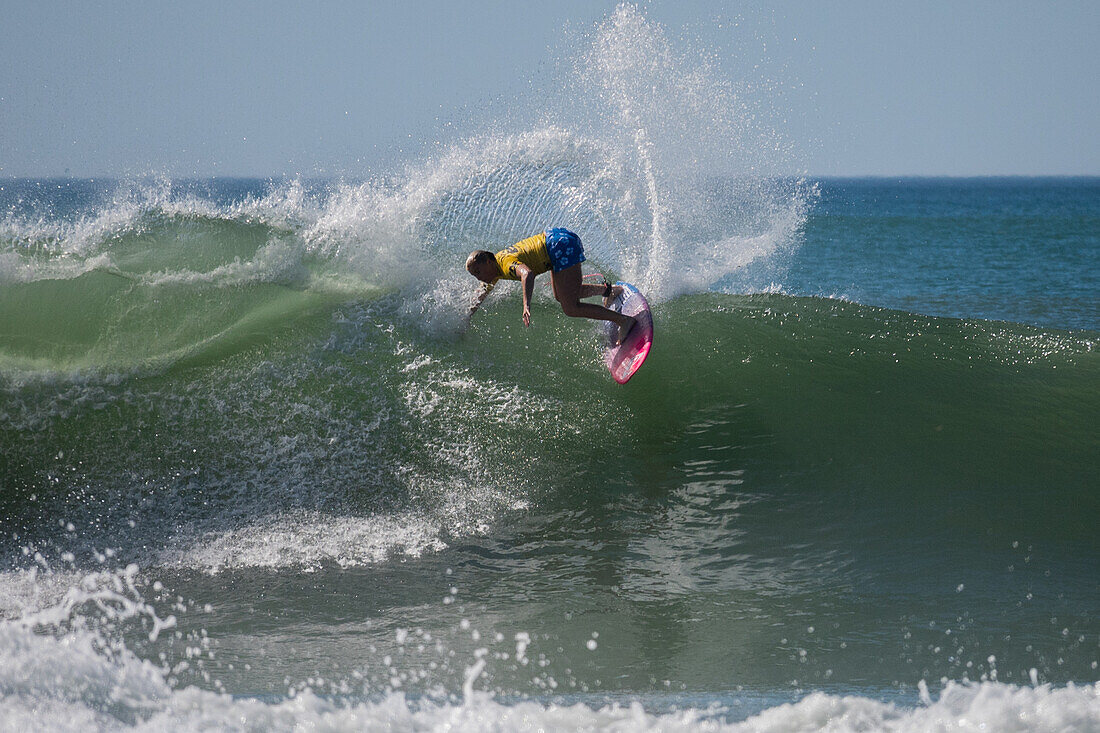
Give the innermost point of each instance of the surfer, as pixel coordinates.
(559, 251)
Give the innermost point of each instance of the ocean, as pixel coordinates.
(257, 474)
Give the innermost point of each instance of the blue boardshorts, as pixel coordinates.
(564, 248)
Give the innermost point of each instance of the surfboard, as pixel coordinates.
(625, 359)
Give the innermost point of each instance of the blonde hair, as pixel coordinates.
(478, 255)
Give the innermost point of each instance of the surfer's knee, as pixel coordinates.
(570, 308)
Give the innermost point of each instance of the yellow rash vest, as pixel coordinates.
(531, 252)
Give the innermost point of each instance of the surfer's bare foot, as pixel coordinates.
(616, 291)
(625, 329)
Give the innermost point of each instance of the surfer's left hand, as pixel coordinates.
(527, 317)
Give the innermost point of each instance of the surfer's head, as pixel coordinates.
(483, 265)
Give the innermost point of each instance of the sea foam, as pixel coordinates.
(68, 683)
(64, 666)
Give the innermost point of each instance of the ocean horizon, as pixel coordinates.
(259, 472)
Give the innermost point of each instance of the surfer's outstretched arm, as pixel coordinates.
(527, 278)
(477, 300)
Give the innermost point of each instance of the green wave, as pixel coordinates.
(161, 289)
(104, 320)
(881, 422)
(888, 399)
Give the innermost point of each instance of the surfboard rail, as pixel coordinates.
(625, 359)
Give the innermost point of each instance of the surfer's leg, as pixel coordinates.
(594, 291)
(587, 291)
(568, 288)
(616, 291)
(591, 291)
(605, 290)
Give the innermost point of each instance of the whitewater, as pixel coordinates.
(256, 472)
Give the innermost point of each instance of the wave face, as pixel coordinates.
(252, 466)
(351, 412)
(838, 496)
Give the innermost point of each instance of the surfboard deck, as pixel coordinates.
(624, 360)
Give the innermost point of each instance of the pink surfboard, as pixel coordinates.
(624, 360)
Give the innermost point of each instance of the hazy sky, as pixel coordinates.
(271, 88)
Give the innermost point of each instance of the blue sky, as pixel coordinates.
(250, 88)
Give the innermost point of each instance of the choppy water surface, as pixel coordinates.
(253, 469)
